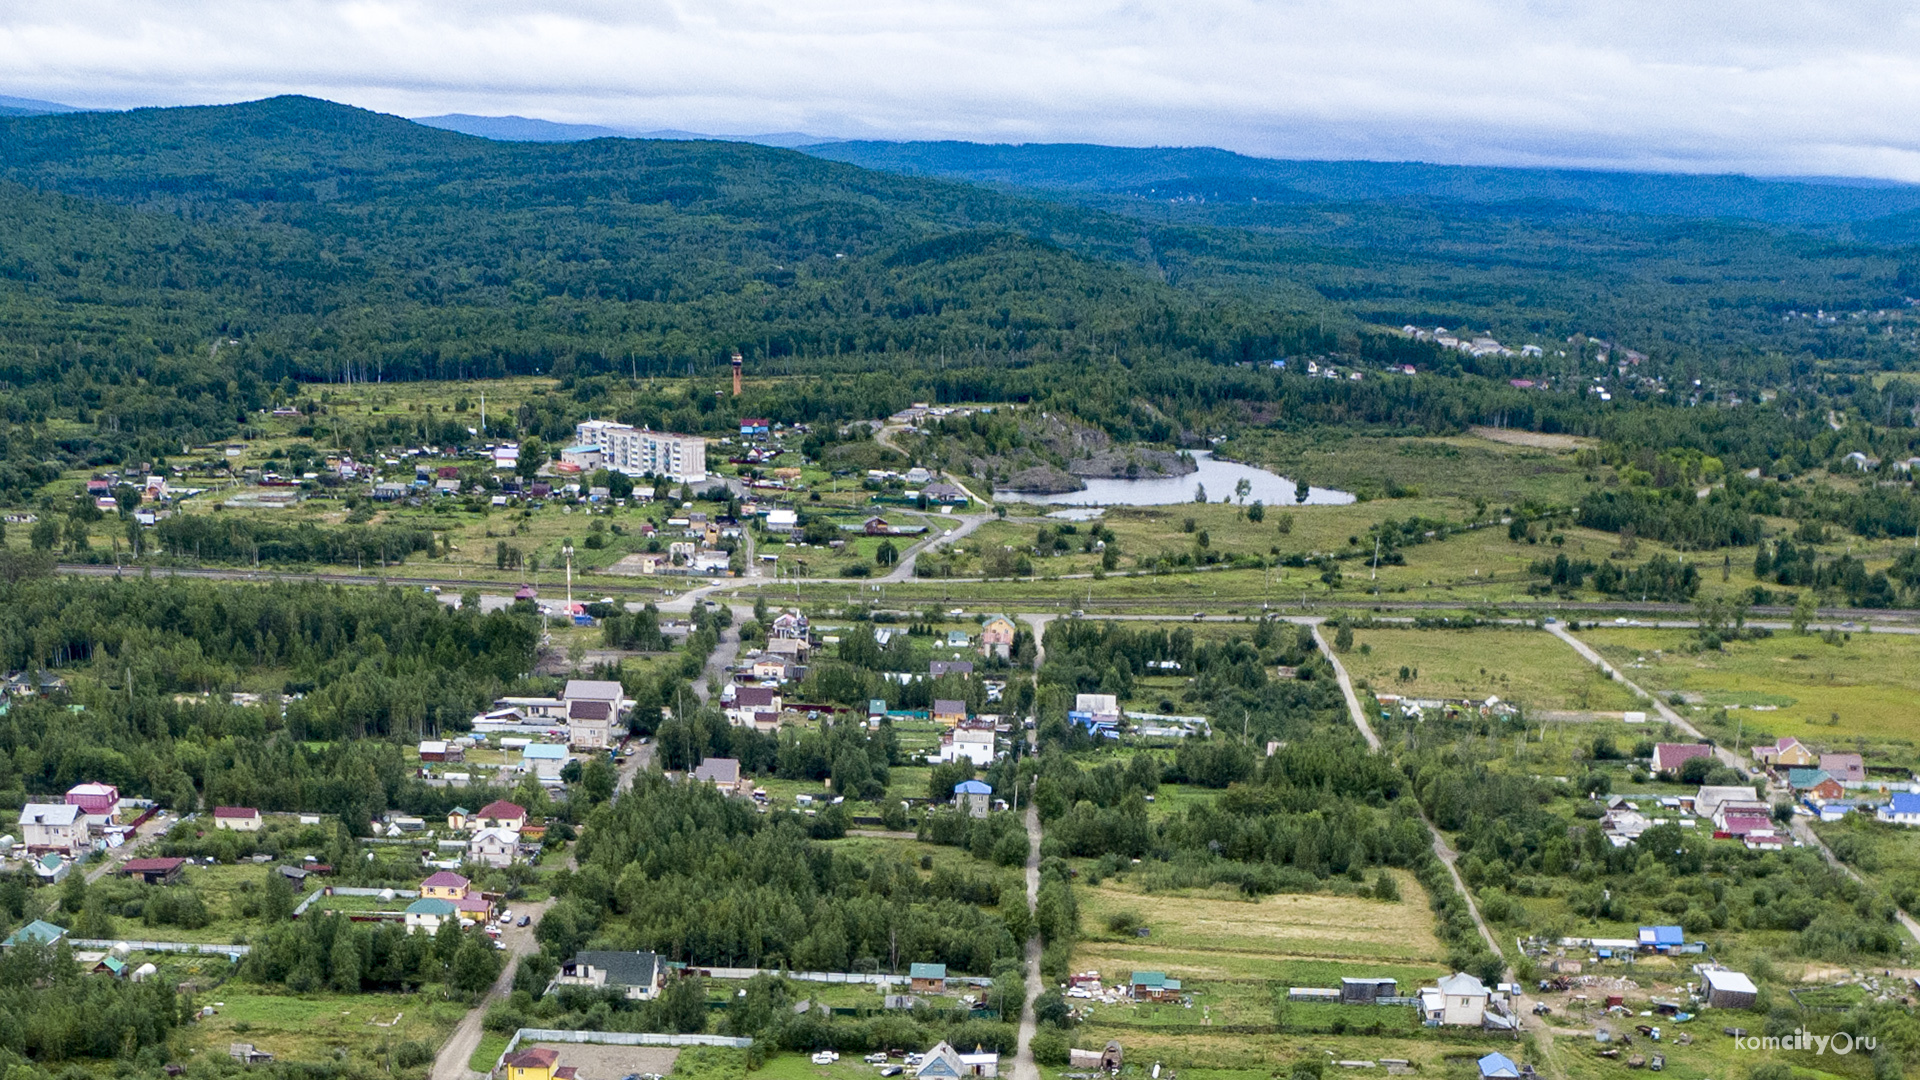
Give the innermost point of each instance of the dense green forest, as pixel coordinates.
(164, 273)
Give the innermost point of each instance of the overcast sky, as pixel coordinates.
(1774, 87)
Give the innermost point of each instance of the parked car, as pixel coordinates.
(524, 920)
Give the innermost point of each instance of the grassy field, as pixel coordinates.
(1864, 686)
(317, 1027)
(1521, 665)
(1302, 939)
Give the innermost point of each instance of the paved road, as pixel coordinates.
(936, 539)
(451, 1064)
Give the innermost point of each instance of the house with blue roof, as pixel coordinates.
(973, 796)
(1498, 1066)
(1661, 938)
(1902, 809)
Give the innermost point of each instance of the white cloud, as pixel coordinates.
(1768, 86)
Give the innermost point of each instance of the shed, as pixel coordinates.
(1729, 989)
(154, 871)
(1498, 1066)
(1363, 991)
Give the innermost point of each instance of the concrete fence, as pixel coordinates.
(234, 952)
(615, 1038)
(845, 977)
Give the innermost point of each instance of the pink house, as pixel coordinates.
(100, 802)
(996, 636)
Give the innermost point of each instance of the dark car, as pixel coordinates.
(524, 920)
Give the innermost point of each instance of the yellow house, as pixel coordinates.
(535, 1064)
(445, 885)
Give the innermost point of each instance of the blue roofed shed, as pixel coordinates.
(928, 978)
(1498, 1066)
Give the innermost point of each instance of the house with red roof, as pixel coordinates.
(154, 871)
(500, 814)
(237, 818)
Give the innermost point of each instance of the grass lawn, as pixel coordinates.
(314, 1027)
(1520, 665)
(1865, 686)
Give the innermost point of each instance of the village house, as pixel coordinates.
(100, 802)
(498, 848)
(37, 932)
(1709, 801)
(457, 818)
(943, 1062)
(589, 724)
(938, 668)
(639, 975)
(754, 706)
(1668, 757)
(236, 818)
(1460, 1000)
(1902, 809)
(54, 827)
(440, 750)
(544, 761)
(1844, 768)
(928, 978)
(1152, 986)
(428, 913)
(794, 649)
(445, 885)
(950, 712)
(724, 775)
(973, 796)
(539, 1063)
(996, 636)
(789, 626)
(501, 814)
(970, 742)
(1785, 753)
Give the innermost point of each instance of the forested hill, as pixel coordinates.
(1221, 175)
(310, 240)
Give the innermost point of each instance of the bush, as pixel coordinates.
(1049, 1047)
(412, 1054)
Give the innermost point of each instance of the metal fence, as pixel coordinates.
(231, 951)
(615, 1038)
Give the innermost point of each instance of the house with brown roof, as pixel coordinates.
(1846, 768)
(154, 871)
(1668, 757)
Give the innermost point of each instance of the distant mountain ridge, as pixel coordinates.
(531, 129)
(1204, 173)
(19, 106)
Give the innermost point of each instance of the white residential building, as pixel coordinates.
(497, 848)
(54, 827)
(968, 741)
(638, 451)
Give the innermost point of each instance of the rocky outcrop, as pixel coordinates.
(1132, 463)
(1041, 480)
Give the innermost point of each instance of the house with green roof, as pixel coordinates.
(428, 912)
(37, 932)
(928, 978)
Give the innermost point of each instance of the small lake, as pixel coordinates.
(1218, 477)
